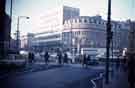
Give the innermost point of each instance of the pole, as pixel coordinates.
(112, 44)
(11, 9)
(108, 40)
(71, 30)
(18, 32)
(11, 19)
(17, 35)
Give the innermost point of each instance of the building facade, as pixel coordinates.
(51, 27)
(85, 31)
(26, 41)
(64, 28)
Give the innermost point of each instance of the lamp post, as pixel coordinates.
(18, 32)
(108, 41)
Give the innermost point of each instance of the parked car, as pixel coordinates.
(53, 57)
(71, 58)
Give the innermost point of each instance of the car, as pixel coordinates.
(71, 57)
(53, 57)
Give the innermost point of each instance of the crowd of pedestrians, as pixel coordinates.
(62, 58)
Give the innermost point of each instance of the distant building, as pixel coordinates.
(51, 27)
(64, 28)
(26, 41)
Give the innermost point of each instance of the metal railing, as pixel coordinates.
(98, 81)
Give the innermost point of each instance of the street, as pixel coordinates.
(61, 77)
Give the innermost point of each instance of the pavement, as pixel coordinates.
(29, 68)
(64, 77)
(39, 75)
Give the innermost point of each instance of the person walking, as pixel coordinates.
(65, 58)
(118, 63)
(88, 59)
(84, 62)
(32, 57)
(131, 71)
(59, 58)
(29, 57)
(46, 58)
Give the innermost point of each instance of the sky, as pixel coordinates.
(121, 10)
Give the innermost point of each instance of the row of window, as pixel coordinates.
(48, 37)
(90, 20)
(77, 33)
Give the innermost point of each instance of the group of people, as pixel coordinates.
(62, 58)
(85, 60)
(31, 57)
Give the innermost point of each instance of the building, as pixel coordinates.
(51, 26)
(85, 31)
(26, 41)
(64, 28)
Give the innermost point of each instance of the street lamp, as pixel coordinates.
(108, 41)
(18, 32)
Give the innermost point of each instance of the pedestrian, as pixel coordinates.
(59, 58)
(46, 57)
(118, 63)
(84, 62)
(131, 71)
(88, 59)
(125, 63)
(30, 57)
(65, 58)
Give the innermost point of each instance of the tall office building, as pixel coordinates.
(51, 26)
(53, 19)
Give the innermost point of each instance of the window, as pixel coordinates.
(99, 22)
(94, 21)
(85, 21)
(75, 20)
(80, 20)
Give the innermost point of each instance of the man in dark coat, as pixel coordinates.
(46, 57)
(131, 71)
(65, 58)
(84, 62)
(59, 58)
(30, 57)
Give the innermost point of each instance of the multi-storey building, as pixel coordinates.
(91, 32)
(51, 26)
(64, 28)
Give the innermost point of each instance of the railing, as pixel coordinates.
(98, 81)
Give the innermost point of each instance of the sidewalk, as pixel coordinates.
(119, 80)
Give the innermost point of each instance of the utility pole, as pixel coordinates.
(71, 31)
(18, 32)
(108, 41)
(11, 3)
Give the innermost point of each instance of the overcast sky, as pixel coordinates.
(121, 10)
